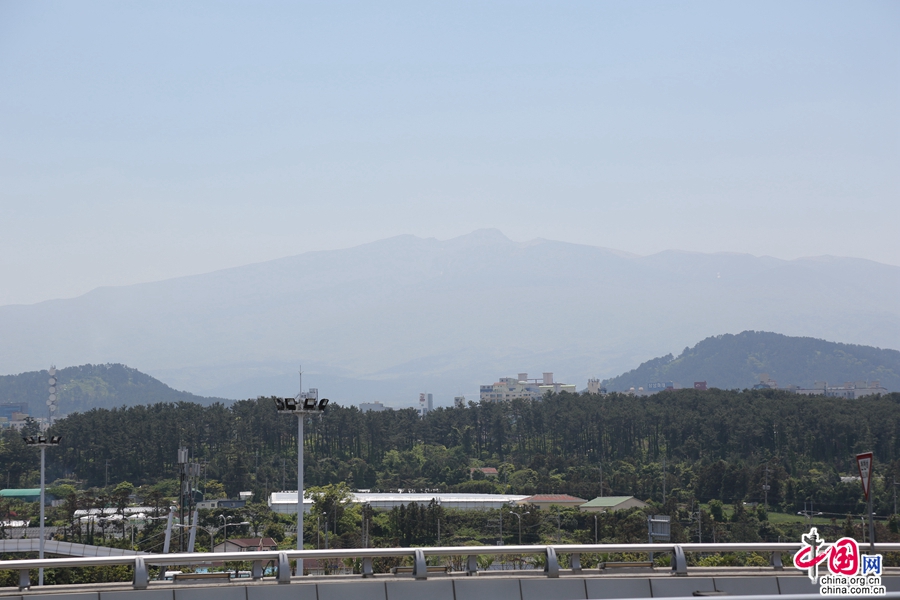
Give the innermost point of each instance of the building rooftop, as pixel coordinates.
(363, 497)
(606, 501)
(20, 493)
(553, 498)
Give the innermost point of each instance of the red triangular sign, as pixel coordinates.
(864, 462)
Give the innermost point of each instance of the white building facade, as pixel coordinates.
(286, 502)
(509, 388)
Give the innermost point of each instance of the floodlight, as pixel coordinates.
(55, 439)
(301, 406)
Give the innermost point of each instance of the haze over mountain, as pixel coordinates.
(392, 318)
(737, 361)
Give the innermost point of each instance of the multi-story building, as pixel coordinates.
(594, 386)
(14, 411)
(374, 406)
(509, 388)
(426, 404)
(459, 402)
(850, 390)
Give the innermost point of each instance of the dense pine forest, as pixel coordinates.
(719, 448)
(716, 444)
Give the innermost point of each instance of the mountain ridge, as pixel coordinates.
(391, 318)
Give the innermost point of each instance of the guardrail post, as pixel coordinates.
(775, 561)
(367, 570)
(284, 568)
(472, 565)
(257, 572)
(575, 561)
(24, 580)
(679, 561)
(551, 567)
(141, 575)
(420, 569)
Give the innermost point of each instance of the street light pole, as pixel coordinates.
(520, 522)
(42, 442)
(225, 527)
(300, 418)
(558, 527)
(438, 502)
(303, 404)
(41, 554)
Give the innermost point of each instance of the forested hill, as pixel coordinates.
(737, 361)
(92, 386)
(717, 444)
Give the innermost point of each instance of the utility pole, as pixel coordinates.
(766, 487)
(558, 528)
(601, 480)
(895, 494)
(700, 524)
(664, 478)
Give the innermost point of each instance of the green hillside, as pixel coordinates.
(92, 386)
(737, 361)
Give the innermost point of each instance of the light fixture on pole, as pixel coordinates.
(53, 398)
(225, 527)
(212, 531)
(520, 522)
(42, 442)
(303, 404)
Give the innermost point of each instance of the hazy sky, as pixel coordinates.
(146, 140)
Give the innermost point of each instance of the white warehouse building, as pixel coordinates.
(286, 502)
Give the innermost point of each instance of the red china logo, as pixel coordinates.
(849, 573)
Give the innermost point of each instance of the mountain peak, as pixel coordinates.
(488, 236)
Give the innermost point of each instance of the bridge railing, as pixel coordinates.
(281, 558)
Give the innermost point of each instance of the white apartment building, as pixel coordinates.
(509, 388)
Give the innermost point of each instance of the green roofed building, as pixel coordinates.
(609, 503)
(25, 495)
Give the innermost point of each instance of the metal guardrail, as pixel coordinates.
(282, 558)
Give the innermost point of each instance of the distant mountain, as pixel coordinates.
(737, 361)
(91, 386)
(387, 320)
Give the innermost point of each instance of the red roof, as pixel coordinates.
(554, 498)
